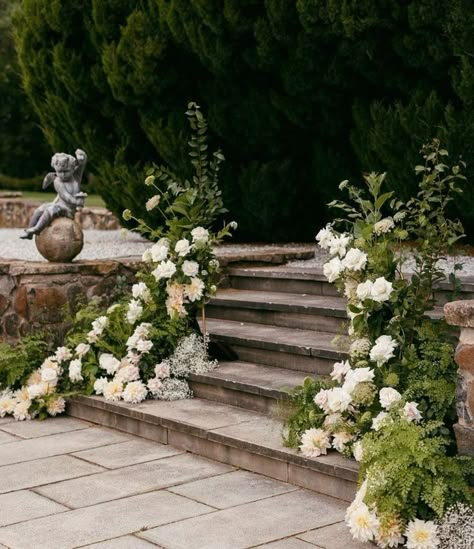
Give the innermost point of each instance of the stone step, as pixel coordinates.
(303, 311)
(246, 385)
(311, 280)
(303, 350)
(224, 433)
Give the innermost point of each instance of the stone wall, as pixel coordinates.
(36, 295)
(461, 313)
(16, 213)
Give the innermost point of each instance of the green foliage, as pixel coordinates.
(17, 362)
(23, 150)
(409, 473)
(298, 94)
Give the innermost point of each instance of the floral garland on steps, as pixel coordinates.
(390, 405)
(147, 344)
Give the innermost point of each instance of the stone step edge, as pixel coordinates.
(320, 465)
(338, 310)
(242, 386)
(316, 274)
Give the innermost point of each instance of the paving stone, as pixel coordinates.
(101, 522)
(132, 480)
(128, 453)
(232, 489)
(43, 471)
(250, 524)
(288, 543)
(6, 419)
(127, 542)
(335, 536)
(62, 443)
(5, 438)
(25, 505)
(54, 425)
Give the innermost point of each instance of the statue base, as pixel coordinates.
(61, 242)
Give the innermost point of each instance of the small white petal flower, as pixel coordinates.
(82, 349)
(384, 226)
(355, 260)
(314, 442)
(422, 535)
(165, 269)
(182, 247)
(338, 399)
(383, 350)
(109, 363)
(134, 311)
(332, 269)
(75, 370)
(135, 392)
(339, 370)
(410, 412)
(364, 290)
(159, 252)
(388, 397)
(200, 234)
(324, 237)
(190, 268)
(380, 420)
(381, 290)
(141, 291)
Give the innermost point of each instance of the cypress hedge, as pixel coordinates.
(298, 94)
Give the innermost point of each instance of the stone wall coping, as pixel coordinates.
(460, 313)
(18, 267)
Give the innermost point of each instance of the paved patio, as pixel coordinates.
(66, 483)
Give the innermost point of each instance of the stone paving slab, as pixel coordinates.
(63, 443)
(289, 543)
(26, 505)
(127, 453)
(19, 476)
(101, 522)
(250, 524)
(6, 419)
(232, 489)
(35, 429)
(127, 542)
(335, 536)
(5, 438)
(133, 480)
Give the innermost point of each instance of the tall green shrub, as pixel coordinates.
(23, 148)
(296, 92)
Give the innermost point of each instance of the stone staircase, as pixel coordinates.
(280, 322)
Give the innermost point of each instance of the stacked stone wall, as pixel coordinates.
(38, 296)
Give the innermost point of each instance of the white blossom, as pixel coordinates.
(363, 523)
(37, 390)
(134, 392)
(410, 412)
(340, 440)
(141, 291)
(388, 397)
(113, 390)
(63, 354)
(200, 234)
(358, 451)
(355, 260)
(182, 247)
(100, 324)
(381, 419)
(99, 385)
(82, 349)
(162, 370)
(159, 252)
(56, 406)
(144, 345)
(194, 290)
(134, 311)
(356, 376)
(128, 373)
(364, 290)
(7, 404)
(154, 385)
(314, 442)
(421, 535)
(324, 237)
(109, 363)
(381, 290)
(75, 370)
(190, 268)
(321, 400)
(152, 202)
(338, 245)
(383, 349)
(384, 226)
(49, 375)
(338, 399)
(332, 269)
(339, 370)
(165, 269)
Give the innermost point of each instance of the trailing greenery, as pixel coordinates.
(391, 405)
(112, 75)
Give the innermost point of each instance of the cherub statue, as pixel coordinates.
(67, 183)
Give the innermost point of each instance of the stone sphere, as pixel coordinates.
(61, 241)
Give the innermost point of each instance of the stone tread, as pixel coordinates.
(302, 342)
(257, 379)
(253, 432)
(279, 301)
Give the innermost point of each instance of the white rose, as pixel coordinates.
(411, 412)
(340, 440)
(100, 324)
(49, 375)
(383, 350)
(384, 226)
(324, 237)
(159, 252)
(358, 451)
(332, 269)
(109, 363)
(321, 400)
(364, 290)
(134, 311)
(388, 397)
(141, 291)
(200, 234)
(75, 370)
(380, 420)
(355, 260)
(190, 268)
(99, 385)
(381, 290)
(182, 247)
(338, 399)
(339, 370)
(338, 245)
(82, 349)
(359, 375)
(37, 390)
(62, 354)
(166, 269)
(144, 346)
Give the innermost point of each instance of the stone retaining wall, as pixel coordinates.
(16, 213)
(461, 313)
(36, 295)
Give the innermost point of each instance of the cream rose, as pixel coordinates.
(332, 269)
(381, 290)
(355, 260)
(388, 397)
(383, 350)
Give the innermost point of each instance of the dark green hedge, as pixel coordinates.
(299, 94)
